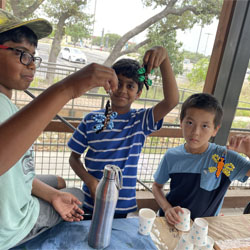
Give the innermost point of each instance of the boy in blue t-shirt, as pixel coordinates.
(28, 206)
(122, 144)
(200, 172)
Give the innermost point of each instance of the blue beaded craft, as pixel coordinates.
(104, 120)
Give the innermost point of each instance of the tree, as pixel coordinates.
(199, 71)
(177, 14)
(169, 41)
(194, 57)
(60, 12)
(77, 31)
(97, 40)
(24, 9)
(63, 12)
(110, 39)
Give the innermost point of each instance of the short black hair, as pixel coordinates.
(206, 102)
(18, 35)
(128, 68)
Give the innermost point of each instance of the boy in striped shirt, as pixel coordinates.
(122, 144)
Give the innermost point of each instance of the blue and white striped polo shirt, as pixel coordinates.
(120, 146)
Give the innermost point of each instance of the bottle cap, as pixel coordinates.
(113, 172)
(109, 172)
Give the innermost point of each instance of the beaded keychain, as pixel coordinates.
(106, 120)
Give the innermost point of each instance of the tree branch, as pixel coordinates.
(19, 12)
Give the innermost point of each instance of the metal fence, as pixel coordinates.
(52, 153)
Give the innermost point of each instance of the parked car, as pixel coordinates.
(73, 55)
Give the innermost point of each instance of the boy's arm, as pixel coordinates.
(155, 57)
(64, 203)
(171, 213)
(79, 169)
(160, 196)
(19, 132)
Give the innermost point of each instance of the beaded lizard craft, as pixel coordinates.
(106, 120)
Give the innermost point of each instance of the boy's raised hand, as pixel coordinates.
(158, 57)
(240, 143)
(154, 57)
(91, 76)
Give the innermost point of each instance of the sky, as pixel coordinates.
(120, 16)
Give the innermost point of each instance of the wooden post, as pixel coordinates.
(2, 4)
(219, 45)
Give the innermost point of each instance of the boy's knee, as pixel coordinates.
(60, 183)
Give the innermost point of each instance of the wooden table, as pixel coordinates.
(225, 230)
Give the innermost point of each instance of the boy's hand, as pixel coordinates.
(171, 215)
(91, 76)
(154, 57)
(240, 144)
(66, 205)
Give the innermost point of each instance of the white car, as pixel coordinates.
(73, 55)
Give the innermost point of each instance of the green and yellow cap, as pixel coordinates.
(41, 27)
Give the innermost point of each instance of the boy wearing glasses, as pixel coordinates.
(28, 206)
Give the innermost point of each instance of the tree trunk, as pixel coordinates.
(55, 48)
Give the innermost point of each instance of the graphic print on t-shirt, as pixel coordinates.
(222, 167)
(28, 162)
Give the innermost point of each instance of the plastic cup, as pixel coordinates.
(208, 246)
(184, 224)
(198, 232)
(146, 220)
(184, 243)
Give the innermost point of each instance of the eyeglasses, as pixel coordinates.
(25, 57)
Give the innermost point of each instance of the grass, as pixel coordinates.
(240, 125)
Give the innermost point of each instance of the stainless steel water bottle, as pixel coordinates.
(106, 197)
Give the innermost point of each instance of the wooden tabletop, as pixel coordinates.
(222, 229)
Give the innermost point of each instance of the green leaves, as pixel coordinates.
(199, 72)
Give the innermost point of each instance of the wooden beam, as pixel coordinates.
(219, 45)
(233, 199)
(168, 132)
(58, 126)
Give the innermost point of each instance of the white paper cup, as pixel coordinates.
(208, 246)
(184, 224)
(184, 243)
(198, 232)
(146, 220)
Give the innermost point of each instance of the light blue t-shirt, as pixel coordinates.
(19, 210)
